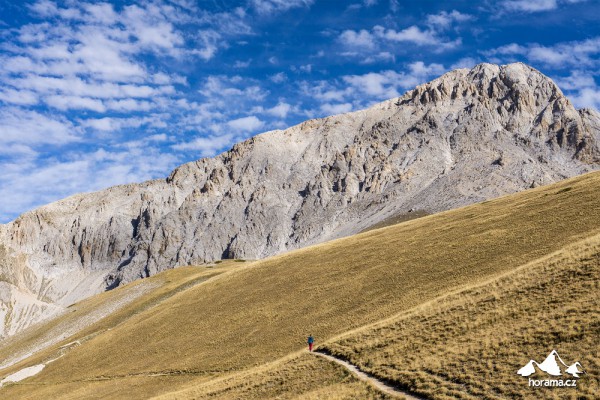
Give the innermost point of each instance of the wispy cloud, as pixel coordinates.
(353, 92)
(26, 184)
(246, 124)
(380, 43)
(385, 85)
(412, 34)
(560, 55)
(83, 75)
(273, 6)
(360, 39)
(182, 79)
(332, 109)
(207, 146)
(445, 19)
(19, 126)
(531, 6)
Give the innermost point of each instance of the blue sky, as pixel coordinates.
(95, 94)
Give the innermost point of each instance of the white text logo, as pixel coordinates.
(555, 366)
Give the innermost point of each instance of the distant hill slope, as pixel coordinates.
(467, 136)
(195, 341)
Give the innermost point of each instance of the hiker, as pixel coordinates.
(310, 342)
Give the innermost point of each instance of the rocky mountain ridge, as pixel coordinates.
(467, 136)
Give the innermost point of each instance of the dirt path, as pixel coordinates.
(368, 378)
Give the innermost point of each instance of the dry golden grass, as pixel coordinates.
(263, 311)
(471, 344)
(300, 376)
(159, 288)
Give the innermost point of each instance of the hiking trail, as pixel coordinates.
(384, 387)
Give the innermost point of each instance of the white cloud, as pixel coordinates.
(375, 84)
(103, 13)
(281, 110)
(576, 80)
(110, 124)
(266, 7)
(162, 137)
(206, 146)
(18, 97)
(509, 49)
(278, 77)
(560, 55)
(221, 86)
(151, 29)
(444, 19)
(210, 44)
(381, 43)
(19, 151)
(75, 103)
(87, 58)
(246, 124)
(220, 28)
(359, 91)
(547, 55)
(411, 34)
(126, 105)
(18, 126)
(333, 109)
(465, 62)
(90, 53)
(384, 56)
(385, 85)
(242, 64)
(326, 91)
(102, 124)
(74, 86)
(420, 71)
(362, 38)
(588, 97)
(530, 5)
(581, 88)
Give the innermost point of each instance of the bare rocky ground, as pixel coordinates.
(465, 137)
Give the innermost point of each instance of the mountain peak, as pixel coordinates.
(517, 86)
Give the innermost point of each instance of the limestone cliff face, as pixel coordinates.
(465, 137)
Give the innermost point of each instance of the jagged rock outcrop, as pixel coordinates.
(467, 136)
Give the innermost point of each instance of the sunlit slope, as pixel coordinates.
(96, 315)
(470, 345)
(299, 376)
(261, 312)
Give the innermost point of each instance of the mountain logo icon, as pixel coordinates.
(552, 365)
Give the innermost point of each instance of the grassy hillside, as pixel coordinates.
(99, 314)
(258, 313)
(470, 345)
(299, 376)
